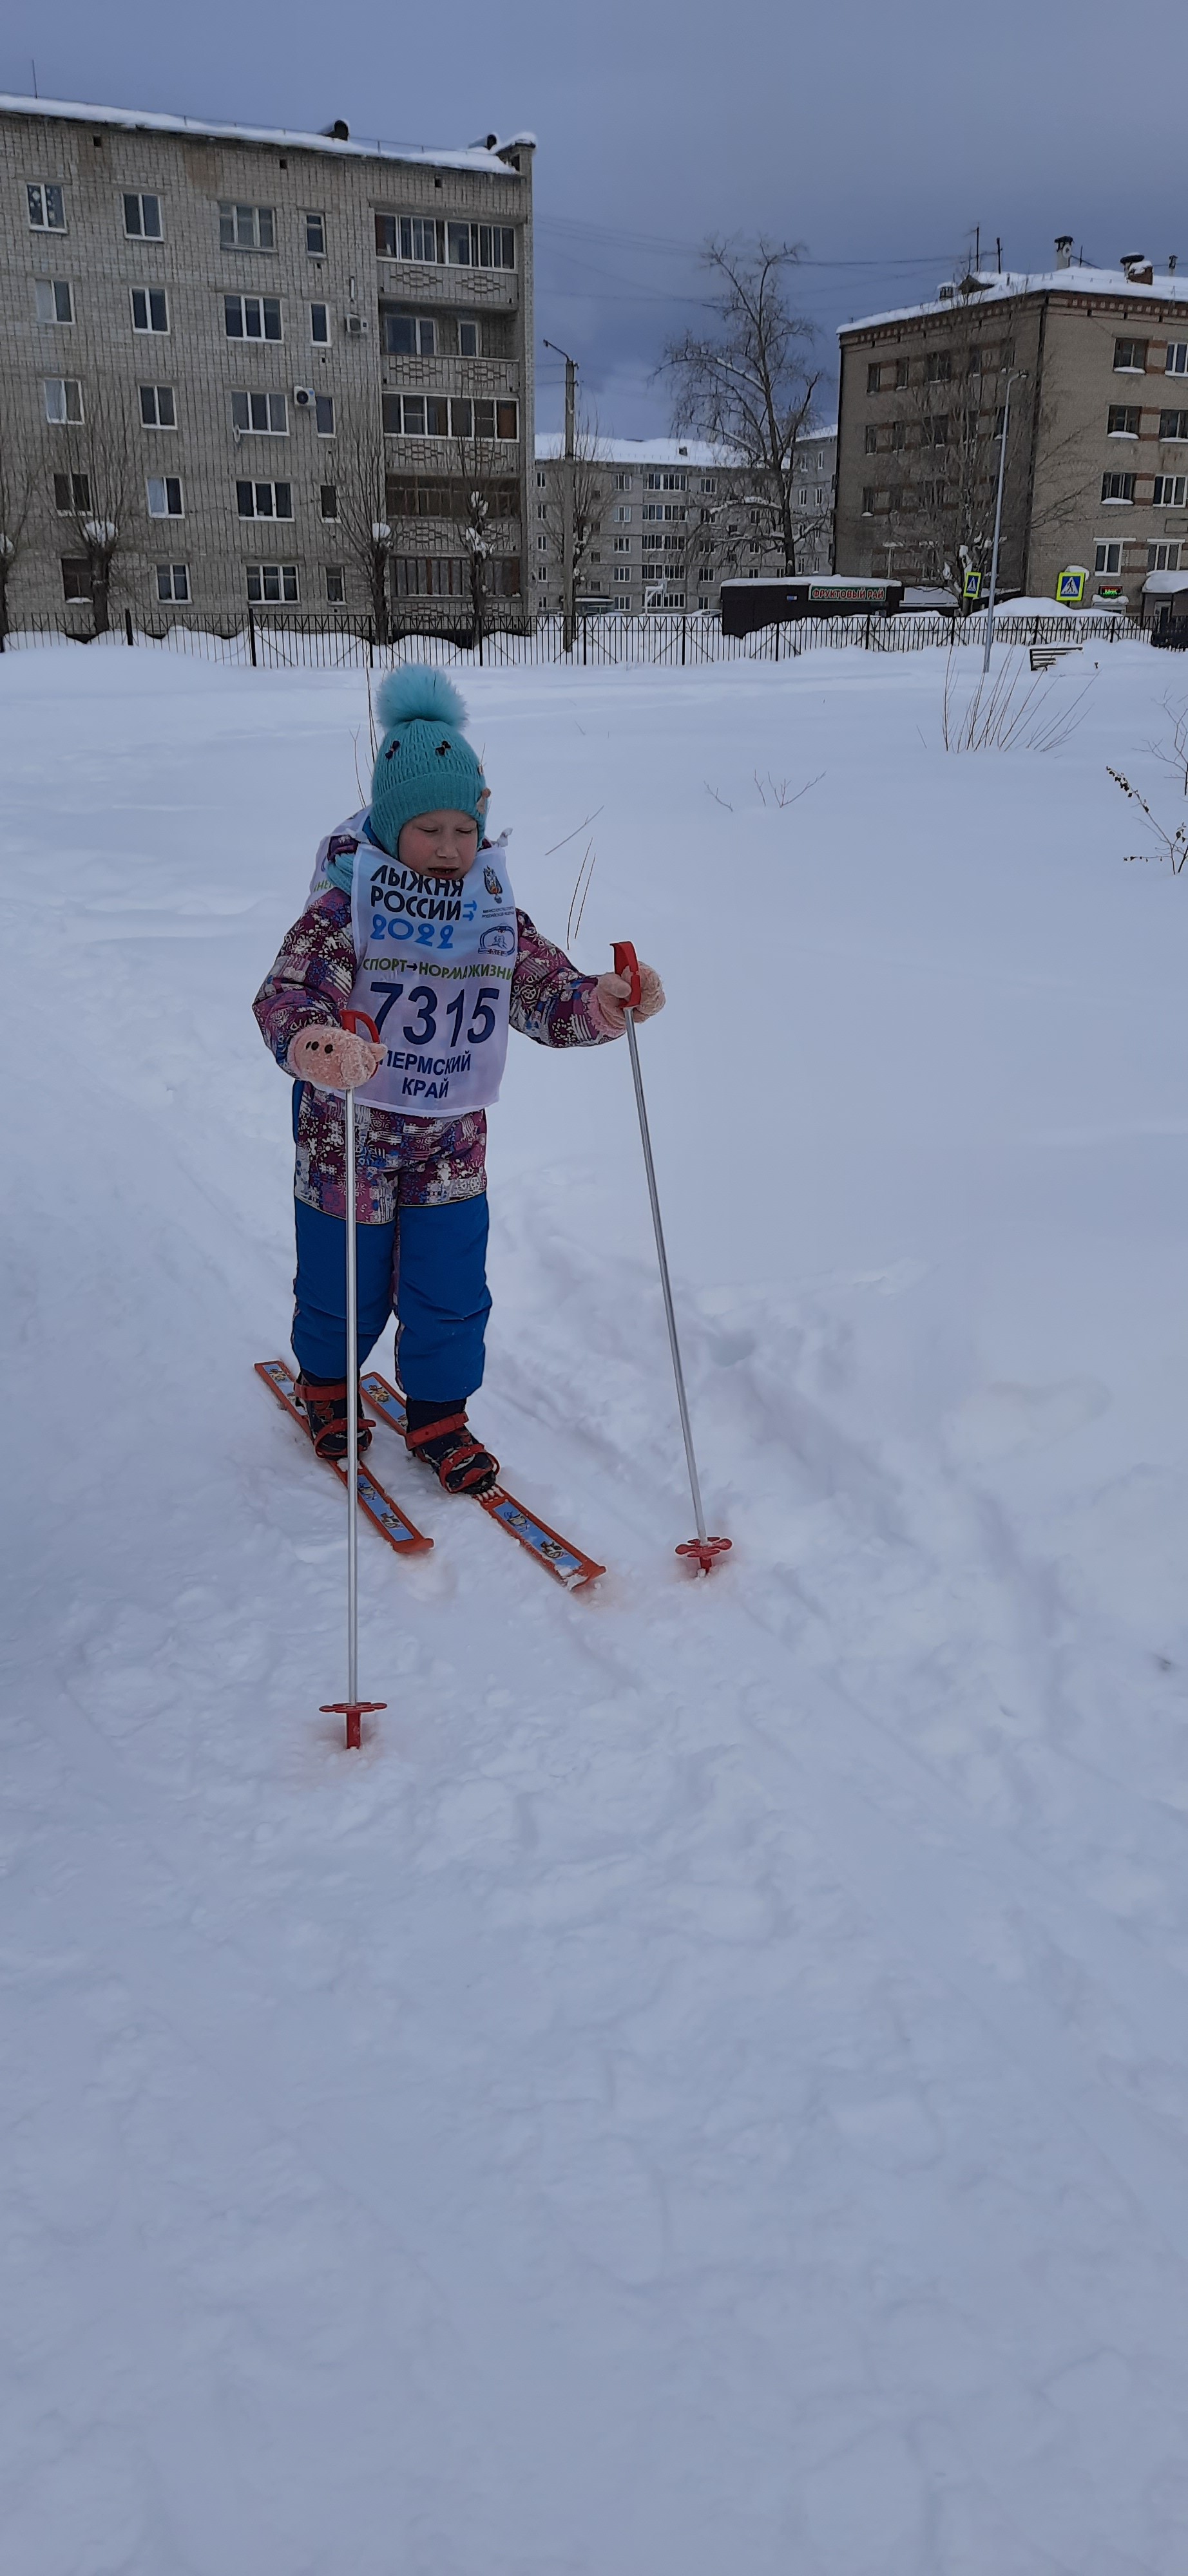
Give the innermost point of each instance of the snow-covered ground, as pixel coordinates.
(704, 2093)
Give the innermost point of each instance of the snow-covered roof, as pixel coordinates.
(1166, 289)
(138, 120)
(697, 452)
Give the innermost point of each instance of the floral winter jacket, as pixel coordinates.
(424, 1162)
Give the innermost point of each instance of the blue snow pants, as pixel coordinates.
(428, 1268)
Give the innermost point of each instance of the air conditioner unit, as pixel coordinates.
(357, 326)
(303, 396)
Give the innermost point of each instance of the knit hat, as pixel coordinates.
(425, 764)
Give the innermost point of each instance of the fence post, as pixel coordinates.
(128, 624)
(371, 643)
(684, 631)
(585, 624)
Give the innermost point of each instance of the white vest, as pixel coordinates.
(436, 957)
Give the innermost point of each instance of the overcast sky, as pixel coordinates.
(876, 137)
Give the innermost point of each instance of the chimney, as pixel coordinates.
(1136, 266)
(339, 132)
(1064, 243)
(1173, 261)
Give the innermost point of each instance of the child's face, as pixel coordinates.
(439, 845)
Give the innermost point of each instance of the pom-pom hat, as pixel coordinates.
(425, 764)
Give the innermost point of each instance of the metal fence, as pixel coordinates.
(290, 640)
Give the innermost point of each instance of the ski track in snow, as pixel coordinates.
(705, 2088)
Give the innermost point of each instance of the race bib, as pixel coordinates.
(436, 957)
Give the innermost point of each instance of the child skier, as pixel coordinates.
(411, 919)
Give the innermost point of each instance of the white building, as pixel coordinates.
(672, 518)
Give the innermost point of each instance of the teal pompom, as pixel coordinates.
(418, 691)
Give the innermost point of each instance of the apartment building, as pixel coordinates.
(243, 366)
(670, 519)
(1096, 472)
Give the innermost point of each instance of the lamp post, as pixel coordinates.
(1015, 376)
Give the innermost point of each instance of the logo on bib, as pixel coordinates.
(492, 884)
(498, 942)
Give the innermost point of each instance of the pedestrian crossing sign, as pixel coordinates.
(1070, 586)
(971, 587)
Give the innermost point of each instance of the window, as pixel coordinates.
(410, 335)
(973, 362)
(76, 578)
(1173, 424)
(47, 214)
(268, 584)
(542, 482)
(1107, 557)
(409, 237)
(260, 415)
(329, 500)
(481, 245)
(621, 572)
(1122, 420)
(938, 367)
(335, 585)
(666, 482)
(468, 339)
(157, 407)
(622, 545)
(173, 582)
(246, 227)
(315, 236)
(874, 379)
(324, 414)
(624, 483)
(1117, 487)
(55, 299)
(1163, 558)
(1176, 361)
(903, 374)
(868, 500)
(264, 500)
(542, 545)
(63, 399)
(663, 510)
(150, 309)
(709, 482)
(252, 317)
(802, 498)
(1130, 357)
(71, 492)
(936, 430)
(165, 496)
(872, 439)
(432, 416)
(319, 324)
(1169, 491)
(623, 514)
(142, 218)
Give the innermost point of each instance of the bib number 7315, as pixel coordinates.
(424, 1001)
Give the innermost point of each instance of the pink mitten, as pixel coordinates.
(332, 1058)
(613, 990)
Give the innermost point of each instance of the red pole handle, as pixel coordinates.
(354, 1020)
(627, 963)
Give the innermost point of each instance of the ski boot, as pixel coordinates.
(323, 1401)
(439, 1436)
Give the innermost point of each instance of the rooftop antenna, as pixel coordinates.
(33, 69)
(998, 249)
(977, 248)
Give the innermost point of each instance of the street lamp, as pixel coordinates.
(1015, 375)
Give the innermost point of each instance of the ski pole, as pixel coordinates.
(704, 1549)
(352, 1707)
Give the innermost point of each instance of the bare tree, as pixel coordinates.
(17, 476)
(747, 384)
(482, 501)
(92, 470)
(936, 477)
(361, 495)
(576, 509)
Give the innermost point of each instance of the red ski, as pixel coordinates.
(565, 1563)
(384, 1515)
